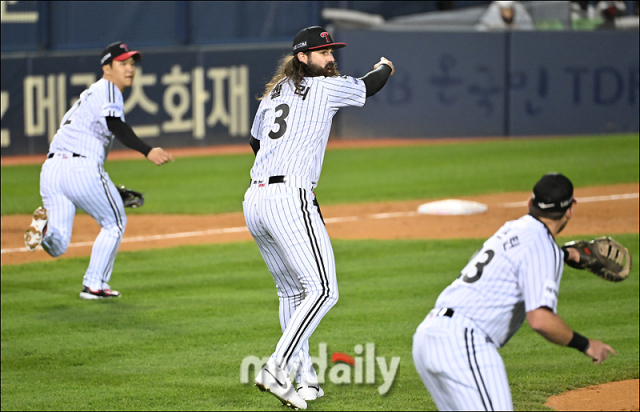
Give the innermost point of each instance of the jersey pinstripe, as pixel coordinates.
(83, 129)
(293, 125)
(517, 270)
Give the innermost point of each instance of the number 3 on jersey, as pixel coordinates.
(472, 272)
(284, 108)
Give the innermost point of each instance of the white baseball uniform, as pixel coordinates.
(293, 129)
(73, 177)
(455, 352)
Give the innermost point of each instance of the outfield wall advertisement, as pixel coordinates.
(181, 98)
(496, 84)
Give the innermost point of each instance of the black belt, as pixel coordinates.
(50, 155)
(272, 180)
(448, 312)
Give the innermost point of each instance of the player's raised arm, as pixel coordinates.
(377, 78)
(384, 60)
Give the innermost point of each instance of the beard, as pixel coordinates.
(329, 70)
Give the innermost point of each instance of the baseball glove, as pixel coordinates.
(130, 198)
(603, 256)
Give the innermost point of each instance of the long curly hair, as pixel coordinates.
(290, 68)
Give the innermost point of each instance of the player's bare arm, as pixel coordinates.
(551, 327)
(387, 62)
(159, 156)
(599, 351)
(574, 255)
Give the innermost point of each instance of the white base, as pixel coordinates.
(452, 207)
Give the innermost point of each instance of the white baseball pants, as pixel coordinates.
(295, 246)
(459, 366)
(67, 183)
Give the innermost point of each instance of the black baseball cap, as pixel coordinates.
(314, 38)
(553, 193)
(118, 51)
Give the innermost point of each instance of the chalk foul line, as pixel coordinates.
(152, 237)
(584, 199)
(241, 229)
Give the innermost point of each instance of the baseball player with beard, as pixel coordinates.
(73, 175)
(515, 275)
(289, 137)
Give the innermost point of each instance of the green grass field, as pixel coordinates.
(190, 314)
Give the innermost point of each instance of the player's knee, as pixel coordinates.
(114, 231)
(327, 297)
(55, 251)
(332, 297)
(62, 249)
(335, 298)
(56, 243)
(291, 295)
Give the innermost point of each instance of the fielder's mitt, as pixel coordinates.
(130, 198)
(603, 256)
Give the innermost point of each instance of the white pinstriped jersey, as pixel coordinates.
(83, 129)
(517, 270)
(293, 126)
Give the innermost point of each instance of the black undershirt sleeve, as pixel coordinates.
(376, 79)
(255, 145)
(126, 135)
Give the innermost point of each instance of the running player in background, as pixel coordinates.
(515, 275)
(289, 136)
(73, 176)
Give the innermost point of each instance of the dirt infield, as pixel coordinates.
(600, 210)
(614, 396)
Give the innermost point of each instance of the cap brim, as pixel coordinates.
(334, 45)
(136, 56)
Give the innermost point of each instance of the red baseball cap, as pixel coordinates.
(118, 51)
